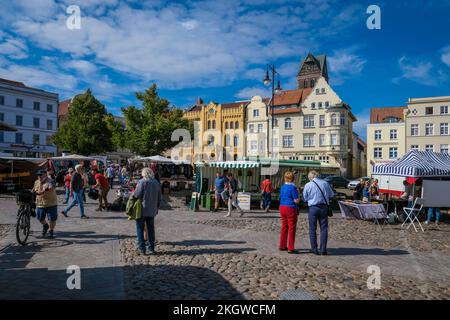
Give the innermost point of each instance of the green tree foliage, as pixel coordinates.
(86, 131)
(117, 129)
(149, 129)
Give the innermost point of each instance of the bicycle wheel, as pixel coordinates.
(23, 228)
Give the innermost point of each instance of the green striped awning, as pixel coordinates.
(233, 164)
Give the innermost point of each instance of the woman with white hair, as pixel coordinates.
(148, 190)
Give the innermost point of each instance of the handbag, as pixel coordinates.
(329, 211)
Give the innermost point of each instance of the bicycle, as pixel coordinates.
(27, 209)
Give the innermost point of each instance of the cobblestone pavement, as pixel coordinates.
(205, 256)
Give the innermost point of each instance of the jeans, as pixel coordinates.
(67, 194)
(77, 197)
(318, 214)
(430, 214)
(111, 180)
(267, 199)
(232, 201)
(140, 223)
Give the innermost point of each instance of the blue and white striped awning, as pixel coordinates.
(417, 164)
(231, 164)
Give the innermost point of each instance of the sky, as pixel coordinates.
(218, 50)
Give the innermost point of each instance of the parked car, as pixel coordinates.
(352, 184)
(337, 181)
(324, 175)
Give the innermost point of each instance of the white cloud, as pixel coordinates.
(14, 48)
(83, 67)
(248, 93)
(446, 55)
(345, 64)
(419, 71)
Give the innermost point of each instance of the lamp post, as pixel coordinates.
(267, 81)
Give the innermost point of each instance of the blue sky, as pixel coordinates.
(218, 49)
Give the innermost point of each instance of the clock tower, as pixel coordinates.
(311, 69)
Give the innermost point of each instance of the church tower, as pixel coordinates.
(311, 69)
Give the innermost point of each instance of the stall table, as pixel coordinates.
(363, 211)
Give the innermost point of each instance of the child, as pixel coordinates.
(366, 192)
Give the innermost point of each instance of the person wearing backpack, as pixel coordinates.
(317, 193)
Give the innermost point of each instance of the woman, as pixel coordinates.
(46, 203)
(148, 190)
(67, 179)
(374, 190)
(366, 192)
(289, 199)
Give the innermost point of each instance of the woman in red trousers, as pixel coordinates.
(289, 198)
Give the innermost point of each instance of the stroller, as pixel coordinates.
(122, 196)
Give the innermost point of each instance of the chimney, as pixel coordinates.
(199, 101)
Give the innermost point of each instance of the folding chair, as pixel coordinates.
(412, 214)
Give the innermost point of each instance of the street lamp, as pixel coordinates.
(267, 81)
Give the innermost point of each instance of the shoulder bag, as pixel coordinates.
(329, 211)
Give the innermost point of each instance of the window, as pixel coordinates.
(393, 134)
(333, 139)
(260, 127)
(321, 140)
(322, 120)
(210, 140)
(322, 90)
(415, 147)
(288, 141)
(391, 120)
(209, 124)
(313, 105)
(231, 125)
(19, 103)
(213, 124)
(236, 140)
(226, 125)
(327, 104)
(343, 140)
(261, 146)
(324, 159)
(227, 140)
(333, 119)
(414, 130)
(49, 108)
(429, 110)
(308, 121)
(2, 100)
(429, 129)
(19, 137)
(37, 106)
(19, 121)
(377, 135)
(288, 123)
(317, 91)
(320, 105)
(308, 158)
(305, 84)
(275, 122)
(444, 148)
(393, 153)
(308, 140)
(429, 147)
(342, 119)
(313, 83)
(253, 145)
(2, 117)
(377, 153)
(36, 122)
(48, 140)
(444, 129)
(236, 125)
(444, 109)
(35, 139)
(50, 124)
(255, 113)
(251, 128)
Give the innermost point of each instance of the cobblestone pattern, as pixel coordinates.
(4, 229)
(196, 272)
(357, 231)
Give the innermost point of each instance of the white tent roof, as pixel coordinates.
(159, 159)
(72, 157)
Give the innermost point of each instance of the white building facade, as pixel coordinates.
(33, 112)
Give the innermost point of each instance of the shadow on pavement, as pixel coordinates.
(366, 251)
(199, 242)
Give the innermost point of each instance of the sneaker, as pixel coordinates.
(84, 216)
(140, 252)
(293, 251)
(241, 213)
(267, 210)
(314, 252)
(150, 252)
(437, 223)
(227, 215)
(64, 214)
(324, 253)
(45, 229)
(427, 222)
(50, 234)
(285, 249)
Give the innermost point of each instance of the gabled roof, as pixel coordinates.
(292, 97)
(11, 82)
(378, 115)
(235, 104)
(320, 59)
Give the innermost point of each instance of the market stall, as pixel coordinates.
(18, 173)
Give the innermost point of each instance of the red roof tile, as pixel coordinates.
(14, 83)
(292, 97)
(378, 115)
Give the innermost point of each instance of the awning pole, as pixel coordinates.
(245, 181)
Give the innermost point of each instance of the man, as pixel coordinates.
(103, 185)
(46, 203)
(266, 191)
(232, 198)
(358, 193)
(219, 188)
(110, 175)
(76, 192)
(67, 179)
(317, 193)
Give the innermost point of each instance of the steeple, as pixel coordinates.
(311, 69)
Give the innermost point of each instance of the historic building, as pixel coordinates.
(311, 69)
(385, 135)
(33, 113)
(427, 124)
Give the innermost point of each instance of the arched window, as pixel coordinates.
(214, 124)
(231, 125)
(236, 125)
(275, 122)
(235, 157)
(236, 140)
(226, 125)
(333, 119)
(305, 84)
(288, 123)
(210, 140)
(313, 83)
(227, 140)
(209, 124)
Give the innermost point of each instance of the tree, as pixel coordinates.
(86, 131)
(149, 129)
(118, 132)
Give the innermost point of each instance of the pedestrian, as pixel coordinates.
(76, 192)
(432, 211)
(289, 199)
(46, 203)
(103, 186)
(67, 179)
(148, 190)
(366, 191)
(219, 189)
(358, 193)
(266, 193)
(85, 182)
(374, 190)
(317, 193)
(110, 175)
(232, 195)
